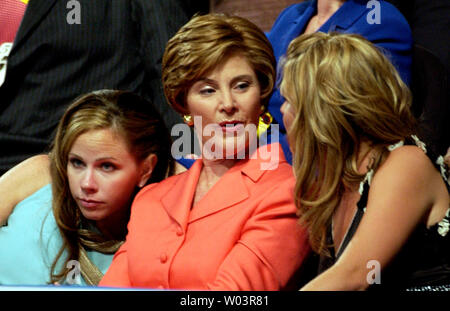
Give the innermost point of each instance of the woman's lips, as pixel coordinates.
(231, 126)
(89, 203)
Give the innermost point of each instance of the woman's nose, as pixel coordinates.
(228, 102)
(88, 182)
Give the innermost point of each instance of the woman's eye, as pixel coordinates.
(76, 162)
(242, 86)
(108, 167)
(207, 91)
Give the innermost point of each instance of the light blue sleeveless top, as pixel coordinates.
(30, 241)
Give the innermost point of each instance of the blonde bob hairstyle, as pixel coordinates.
(207, 41)
(344, 92)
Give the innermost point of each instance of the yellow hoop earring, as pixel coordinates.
(264, 122)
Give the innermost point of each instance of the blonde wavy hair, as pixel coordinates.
(205, 42)
(344, 91)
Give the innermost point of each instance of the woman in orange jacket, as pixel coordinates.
(229, 222)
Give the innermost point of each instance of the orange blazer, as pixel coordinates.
(242, 235)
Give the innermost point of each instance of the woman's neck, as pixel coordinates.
(217, 167)
(114, 227)
(326, 8)
(365, 156)
(212, 171)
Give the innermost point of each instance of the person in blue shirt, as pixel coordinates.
(378, 21)
(108, 145)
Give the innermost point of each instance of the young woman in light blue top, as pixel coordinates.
(31, 240)
(107, 145)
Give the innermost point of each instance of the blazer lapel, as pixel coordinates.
(35, 12)
(232, 188)
(178, 200)
(229, 190)
(299, 25)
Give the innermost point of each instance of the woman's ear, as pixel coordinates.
(147, 167)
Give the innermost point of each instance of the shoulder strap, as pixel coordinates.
(437, 160)
(365, 184)
(90, 272)
(362, 203)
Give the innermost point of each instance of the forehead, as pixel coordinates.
(101, 142)
(234, 64)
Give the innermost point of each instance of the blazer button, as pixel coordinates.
(163, 258)
(179, 231)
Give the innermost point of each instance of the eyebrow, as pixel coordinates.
(96, 160)
(237, 78)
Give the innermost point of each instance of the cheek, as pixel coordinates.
(254, 110)
(287, 121)
(203, 111)
(288, 115)
(120, 189)
(118, 195)
(73, 180)
(196, 105)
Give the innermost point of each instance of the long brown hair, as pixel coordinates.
(344, 91)
(139, 123)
